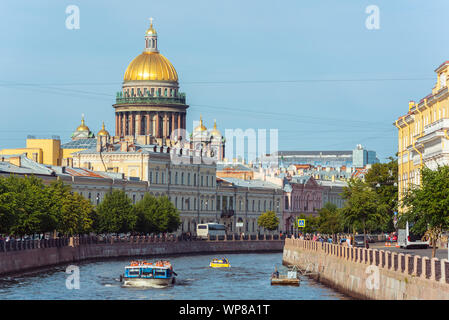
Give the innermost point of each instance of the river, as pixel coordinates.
(248, 278)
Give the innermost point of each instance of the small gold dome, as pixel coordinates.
(82, 127)
(103, 131)
(201, 127)
(151, 31)
(150, 66)
(215, 132)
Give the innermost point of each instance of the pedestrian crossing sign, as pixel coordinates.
(301, 223)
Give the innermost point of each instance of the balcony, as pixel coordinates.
(437, 125)
(148, 99)
(227, 213)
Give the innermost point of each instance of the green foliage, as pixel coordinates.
(363, 208)
(169, 219)
(27, 206)
(381, 177)
(156, 215)
(329, 220)
(115, 213)
(312, 224)
(146, 210)
(268, 220)
(428, 205)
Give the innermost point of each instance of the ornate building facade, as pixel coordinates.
(423, 138)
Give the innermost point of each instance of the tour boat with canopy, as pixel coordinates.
(143, 273)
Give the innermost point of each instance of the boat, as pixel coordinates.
(220, 263)
(289, 279)
(147, 274)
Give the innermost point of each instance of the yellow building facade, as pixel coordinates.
(423, 139)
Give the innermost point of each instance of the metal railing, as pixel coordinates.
(21, 245)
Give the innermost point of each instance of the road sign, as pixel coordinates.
(301, 223)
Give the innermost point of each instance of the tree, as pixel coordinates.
(329, 219)
(382, 178)
(57, 193)
(146, 210)
(428, 205)
(29, 204)
(116, 213)
(363, 207)
(268, 220)
(311, 223)
(167, 215)
(76, 215)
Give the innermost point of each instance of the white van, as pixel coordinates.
(408, 239)
(213, 229)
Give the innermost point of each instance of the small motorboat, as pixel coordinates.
(220, 263)
(147, 274)
(289, 279)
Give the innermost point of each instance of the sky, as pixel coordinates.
(311, 69)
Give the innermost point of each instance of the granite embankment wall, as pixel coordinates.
(370, 273)
(35, 257)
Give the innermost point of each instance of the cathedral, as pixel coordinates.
(150, 113)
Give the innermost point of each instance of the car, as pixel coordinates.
(359, 241)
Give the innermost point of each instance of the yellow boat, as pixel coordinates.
(220, 263)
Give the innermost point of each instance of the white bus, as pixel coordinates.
(214, 229)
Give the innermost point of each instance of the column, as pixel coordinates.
(173, 123)
(124, 124)
(166, 125)
(158, 125)
(148, 124)
(131, 124)
(179, 123)
(139, 124)
(117, 125)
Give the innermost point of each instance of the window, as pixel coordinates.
(157, 177)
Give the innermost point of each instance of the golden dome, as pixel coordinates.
(82, 127)
(150, 66)
(215, 132)
(151, 31)
(201, 127)
(102, 132)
